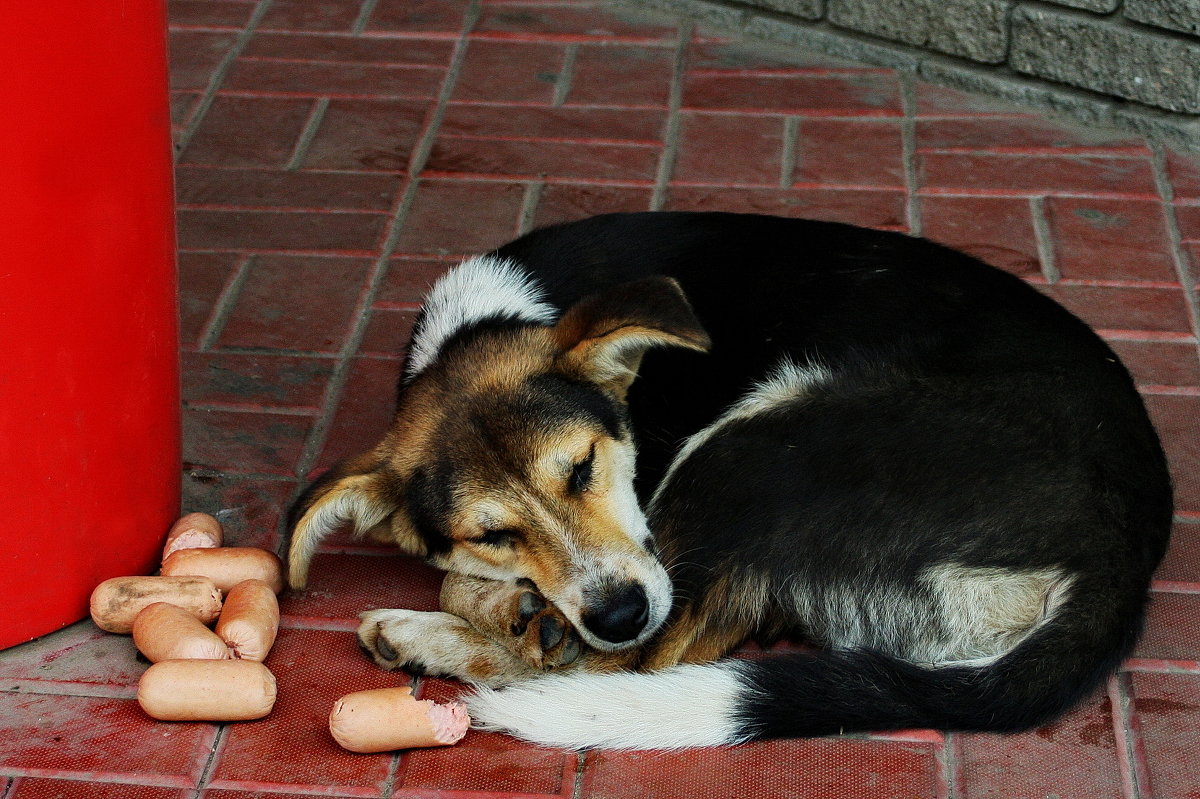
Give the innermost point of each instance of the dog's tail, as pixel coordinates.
(827, 692)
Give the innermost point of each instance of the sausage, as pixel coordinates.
(249, 620)
(116, 602)
(196, 530)
(391, 718)
(207, 690)
(228, 566)
(163, 631)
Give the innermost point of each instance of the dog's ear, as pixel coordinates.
(359, 491)
(604, 336)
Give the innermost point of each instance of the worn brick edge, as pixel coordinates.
(1001, 82)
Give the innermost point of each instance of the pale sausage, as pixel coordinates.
(249, 620)
(207, 690)
(194, 531)
(163, 631)
(391, 718)
(117, 602)
(228, 566)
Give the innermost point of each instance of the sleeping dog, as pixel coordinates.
(937, 476)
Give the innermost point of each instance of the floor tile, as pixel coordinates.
(483, 761)
(311, 15)
(1171, 631)
(82, 654)
(863, 94)
(195, 56)
(292, 746)
(387, 333)
(1124, 307)
(251, 509)
(53, 735)
(574, 23)
(563, 202)
(621, 75)
(34, 788)
(248, 132)
(408, 280)
(997, 230)
(1013, 133)
(210, 13)
(872, 208)
(1175, 419)
(1182, 562)
(1110, 239)
(257, 188)
(371, 135)
(554, 123)
(243, 443)
(278, 308)
(1168, 711)
(1074, 756)
(273, 231)
(860, 152)
(751, 149)
(461, 217)
(257, 381)
(317, 79)
(533, 159)
(267, 45)
(365, 409)
(418, 16)
(1164, 363)
(1018, 173)
(340, 586)
(822, 768)
(202, 279)
(510, 72)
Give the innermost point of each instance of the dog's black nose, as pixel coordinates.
(622, 615)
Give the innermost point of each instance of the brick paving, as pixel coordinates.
(334, 156)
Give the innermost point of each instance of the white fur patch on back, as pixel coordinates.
(690, 705)
(474, 290)
(787, 382)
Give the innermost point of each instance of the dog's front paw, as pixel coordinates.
(543, 637)
(439, 645)
(402, 639)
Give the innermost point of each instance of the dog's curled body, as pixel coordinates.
(915, 461)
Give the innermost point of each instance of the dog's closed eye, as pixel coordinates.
(496, 538)
(581, 473)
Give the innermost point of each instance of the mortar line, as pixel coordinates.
(666, 162)
(362, 313)
(1166, 193)
(223, 307)
(218, 77)
(529, 205)
(364, 16)
(950, 776)
(577, 787)
(1131, 755)
(908, 150)
(307, 133)
(788, 159)
(562, 85)
(1045, 243)
(11, 788)
(218, 747)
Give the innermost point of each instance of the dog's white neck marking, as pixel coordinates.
(476, 289)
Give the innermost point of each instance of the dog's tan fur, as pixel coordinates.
(599, 342)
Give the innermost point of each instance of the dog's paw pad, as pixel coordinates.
(550, 633)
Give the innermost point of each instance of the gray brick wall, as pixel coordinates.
(1107, 56)
(1069, 54)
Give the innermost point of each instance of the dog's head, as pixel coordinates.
(511, 456)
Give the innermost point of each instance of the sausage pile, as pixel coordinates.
(203, 674)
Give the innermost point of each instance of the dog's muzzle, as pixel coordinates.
(619, 615)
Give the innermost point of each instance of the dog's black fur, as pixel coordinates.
(969, 418)
(960, 419)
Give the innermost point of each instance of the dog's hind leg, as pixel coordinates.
(516, 616)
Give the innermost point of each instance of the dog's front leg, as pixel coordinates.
(440, 645)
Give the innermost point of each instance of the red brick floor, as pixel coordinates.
(336, 155)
